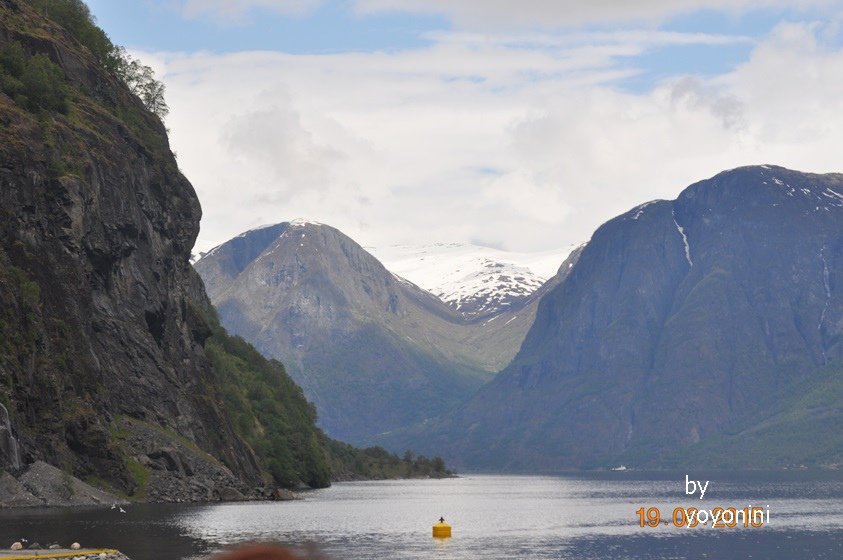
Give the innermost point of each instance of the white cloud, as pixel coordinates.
(553, 13)
(236, 10)
(493, 140)
(690, 91)
(270, 137)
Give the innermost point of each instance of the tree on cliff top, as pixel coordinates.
(76, 18)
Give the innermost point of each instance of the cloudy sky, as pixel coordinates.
(520, 125)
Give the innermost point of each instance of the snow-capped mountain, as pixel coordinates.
(473, 280)
(371, 349)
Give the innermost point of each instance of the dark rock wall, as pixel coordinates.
(100, 310)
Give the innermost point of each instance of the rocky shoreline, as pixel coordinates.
(169, 469)
(43, 485)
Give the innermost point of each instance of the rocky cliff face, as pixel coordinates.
(99, 307)
(682, 321)
(10, 456)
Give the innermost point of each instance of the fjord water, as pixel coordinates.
(582, 516)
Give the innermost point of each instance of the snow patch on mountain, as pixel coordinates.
(476, 281)
(825, 198)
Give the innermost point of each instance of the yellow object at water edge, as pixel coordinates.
(441, 530)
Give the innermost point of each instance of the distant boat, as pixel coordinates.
(621, 468)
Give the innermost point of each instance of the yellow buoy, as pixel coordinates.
(441, 530)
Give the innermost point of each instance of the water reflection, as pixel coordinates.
(144, 531)
(572, 516)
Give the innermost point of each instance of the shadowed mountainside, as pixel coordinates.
(683, 322)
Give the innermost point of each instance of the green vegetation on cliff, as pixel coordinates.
(76, 18)
(33, 82)
(269, 411)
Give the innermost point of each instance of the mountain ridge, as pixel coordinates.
(695, 309)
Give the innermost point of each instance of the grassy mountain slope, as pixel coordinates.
(802, 428)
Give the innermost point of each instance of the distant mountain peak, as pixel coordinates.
(639, 210)
(477, 282)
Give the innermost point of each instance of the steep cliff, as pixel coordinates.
(103, 368)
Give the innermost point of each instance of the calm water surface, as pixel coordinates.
(495, 517)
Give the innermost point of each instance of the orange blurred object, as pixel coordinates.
(258, 552)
